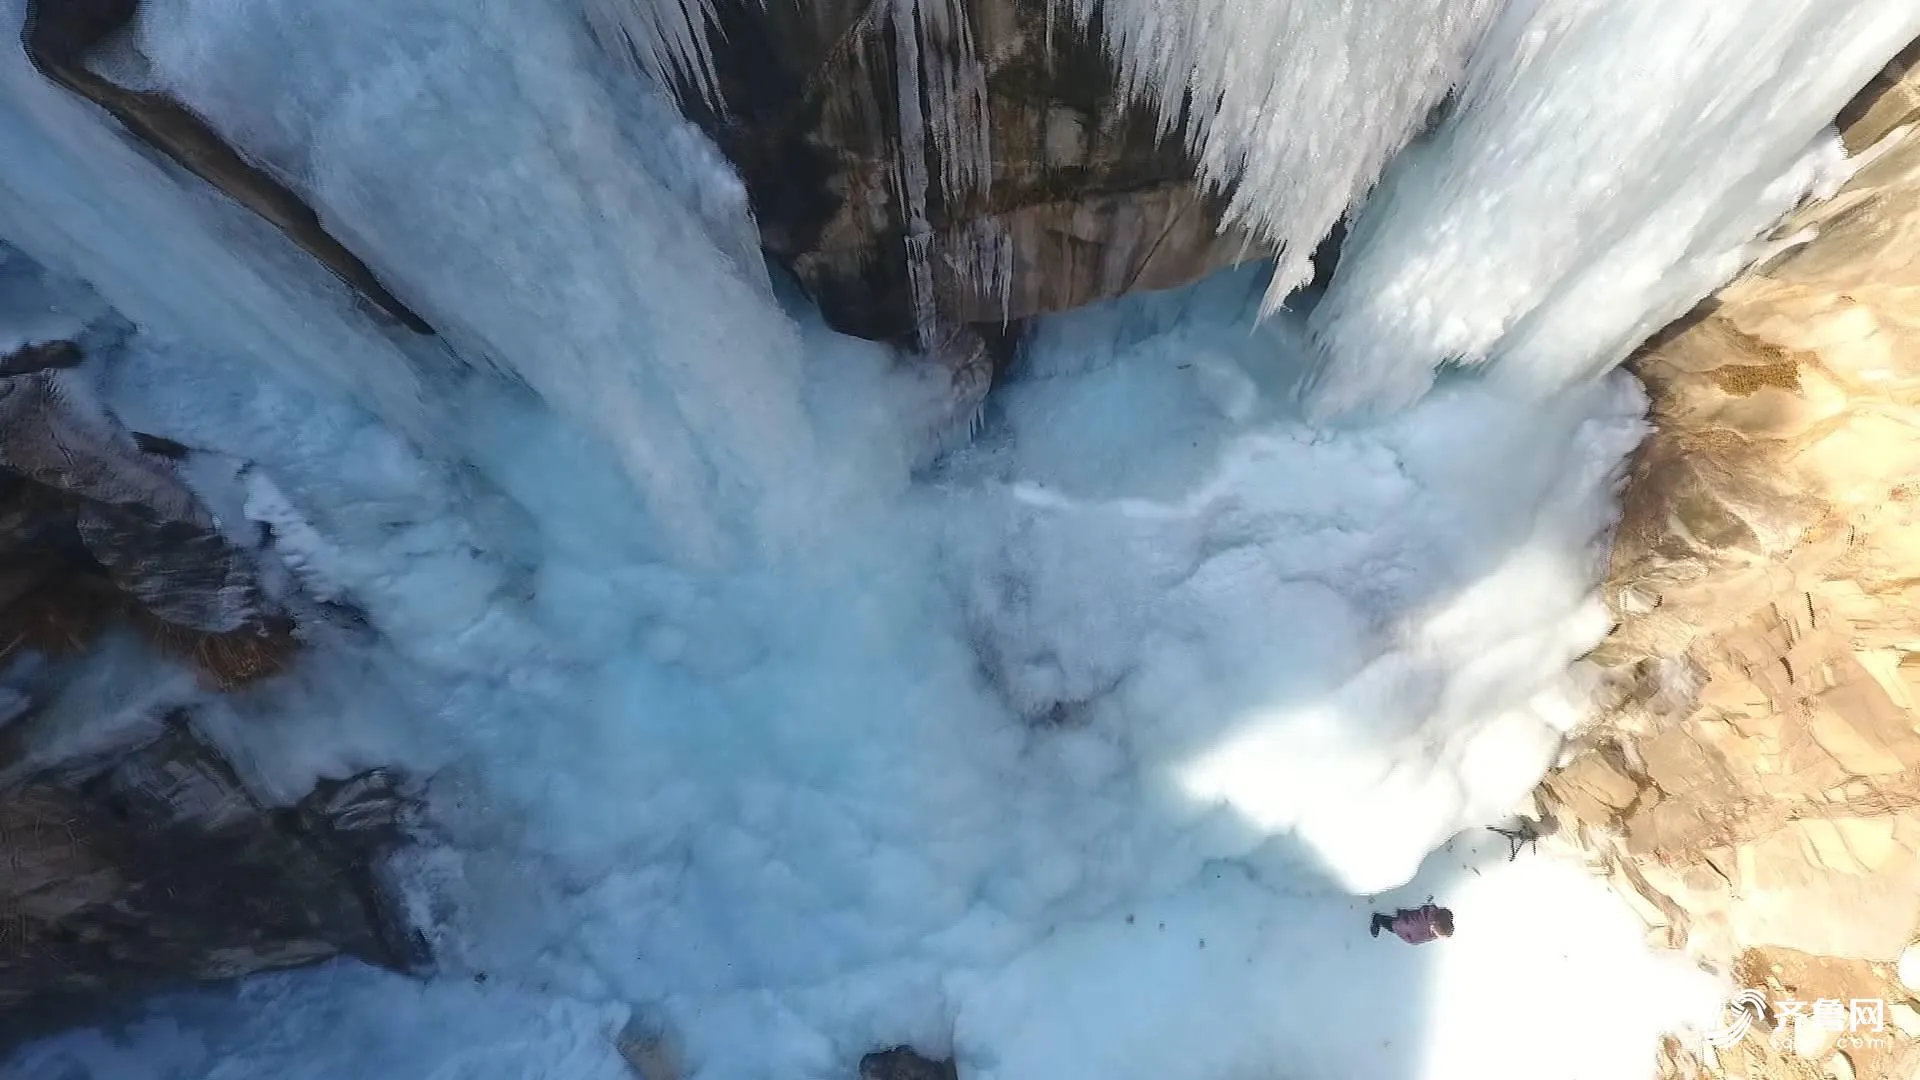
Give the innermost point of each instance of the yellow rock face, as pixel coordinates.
(1758, 773)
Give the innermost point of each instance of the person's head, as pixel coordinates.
(1443, 922)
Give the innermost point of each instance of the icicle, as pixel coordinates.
(665, 39)
(956, 94)
(911, 168)
(940, 90)
(1291, 107)
(981, 258)
(936, 57)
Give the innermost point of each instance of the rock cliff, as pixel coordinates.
(131, 853)
(1065, 196)
(1754, 785)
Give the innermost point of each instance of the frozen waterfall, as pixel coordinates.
(1084, 754)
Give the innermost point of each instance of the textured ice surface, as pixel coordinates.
(1155, 646)
(476, 156)
(739, 724)
(1606, 166)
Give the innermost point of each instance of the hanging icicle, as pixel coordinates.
(1291, 107)
(665, 39)
(940, 94)
(980, 257)
(936, 62)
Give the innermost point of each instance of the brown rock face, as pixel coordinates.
(130, 852)
(1757, 782)
(158, 865)
(1078, 199)
(95, 523)
(902, 1063)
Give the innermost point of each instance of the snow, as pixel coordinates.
(741, 720)
(1492, 1002)
(781, 814)
(1182, 986)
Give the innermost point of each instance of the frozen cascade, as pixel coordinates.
(1292, 107)
(1083, 754)
(1642, 221)
(563, 287)
(213, 274)
(1605, 167)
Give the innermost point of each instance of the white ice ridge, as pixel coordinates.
(1607, 165)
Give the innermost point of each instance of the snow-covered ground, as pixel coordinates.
(1084, 753)
(1152, 647)
(1227, 977)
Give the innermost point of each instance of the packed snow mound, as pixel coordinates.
(1181, 987)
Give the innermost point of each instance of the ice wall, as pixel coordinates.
(182, 262)
(1596, 170)
(523, 222)
(1606, 166)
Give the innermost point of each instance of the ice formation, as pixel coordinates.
(1605, 166)
(1291, 107)
(1084, 751)
(935, 58)
(556, 289)
(940, 106)
(782, 814)
(666, 39)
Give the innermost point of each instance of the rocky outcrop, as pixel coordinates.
(95, 522)
(1755, 786)
(57, 37)
(153, 863)
(130, 852)
(1073, 197)
(903, 1063)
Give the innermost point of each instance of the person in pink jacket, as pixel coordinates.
(1415, 926)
